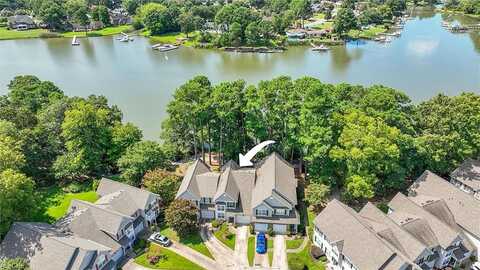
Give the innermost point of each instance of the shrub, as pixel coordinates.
(217, 223)
(155, 255)
(270, 231)
(95, 184)
(181, 216)
(75, 187)
(383, 207)
(296, 263)
(252, 231)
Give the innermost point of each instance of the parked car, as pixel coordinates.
(475, 266)
(261, 243)
(160, 239)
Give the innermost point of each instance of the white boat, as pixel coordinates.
(124, 39)
(321, 48)
(75, 41)
(165, 47)
(156, 45)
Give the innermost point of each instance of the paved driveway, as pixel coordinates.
(241, 245)
(223, 255)
(279, 253)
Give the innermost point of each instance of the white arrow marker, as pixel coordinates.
(245, 160)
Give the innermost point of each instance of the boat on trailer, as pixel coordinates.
(165, 47)
(321, 48)
(75, 41)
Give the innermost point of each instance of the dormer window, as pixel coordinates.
(231, 204)
(281, 212)
(262, 212)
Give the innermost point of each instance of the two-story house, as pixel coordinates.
(350, 243)
(140, 204)
(263, 195)
(442, 235)
(449, 204)
(467, 177)
(91, 236)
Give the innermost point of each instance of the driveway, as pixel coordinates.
(241, 245)
(279, 253)
(223, 255)
(194, 256)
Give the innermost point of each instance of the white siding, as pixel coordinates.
(242, 219)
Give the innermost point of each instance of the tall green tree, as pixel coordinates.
(11, 155)
(16, 198)
(344, 21)
(163, 183)
(123, 136)
(182, 217)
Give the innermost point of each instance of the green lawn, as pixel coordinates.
(303, 260)
(319, 16)
(251, 250)
(294, 243)
(14, 34)
(193, 241)
(368, 33)
(270, 250)
(107, 31)
(53, 202)
(171, 261)
(225, 236)
(171, 38)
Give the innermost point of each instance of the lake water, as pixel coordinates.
(424, 61)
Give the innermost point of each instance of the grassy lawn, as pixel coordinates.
(270, 250)
(251, 250)
(170, 261)
(53, 202)
(368, 33)
(107, 31)
(171, 38)
(324, 26)
(14, 34)
(303, 260)
(225, 236)
(294, 243)
(319, 16)
(193, 241)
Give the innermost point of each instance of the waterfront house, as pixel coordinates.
(467, 177)
(119, 16)
(264, 195)
(461, 207)
(21, 22)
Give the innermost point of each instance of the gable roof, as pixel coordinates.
(468, 173)
(107, 220)
(393, 233)
(227, 185)
(464, 208)
(360, 244)
(140, 197)
(47, 248)
(118, 201)
(189, 181)
(20, 19)
(419, 221)
(274, 174)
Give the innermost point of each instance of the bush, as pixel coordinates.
(270, 231)
(140, 246)
(252, 231)
(155, 255)
(383, 207)
(217, 223)
(296, 263)
(95, 184)
(76, 187)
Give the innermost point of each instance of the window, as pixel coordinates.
(206, 200)
(231, 205)
(281, 212)
(262, 212)
(220, 207)
(221, 215)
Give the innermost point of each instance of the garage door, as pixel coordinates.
(280, 228)
(207, 214)
(242, 219)
(261, 227)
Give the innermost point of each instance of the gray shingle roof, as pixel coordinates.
(419, 221)
(140, 197)
(274, 174)
(360, 243)
(46, 247)
(118, 201)
(227, 185)
(468, 173)
(392, 232)
(464, 208)
(189, 182)
(20, 19)
(107, 220)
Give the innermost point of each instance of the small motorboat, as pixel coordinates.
(321, 48)
(166, 47)
(75, 41)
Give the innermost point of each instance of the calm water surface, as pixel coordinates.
(424, 61)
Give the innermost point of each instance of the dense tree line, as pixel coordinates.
(466, 6)
(49, 138)
(366, 141)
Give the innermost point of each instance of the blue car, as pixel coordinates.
(261, 243)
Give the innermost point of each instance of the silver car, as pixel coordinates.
(160, 239)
